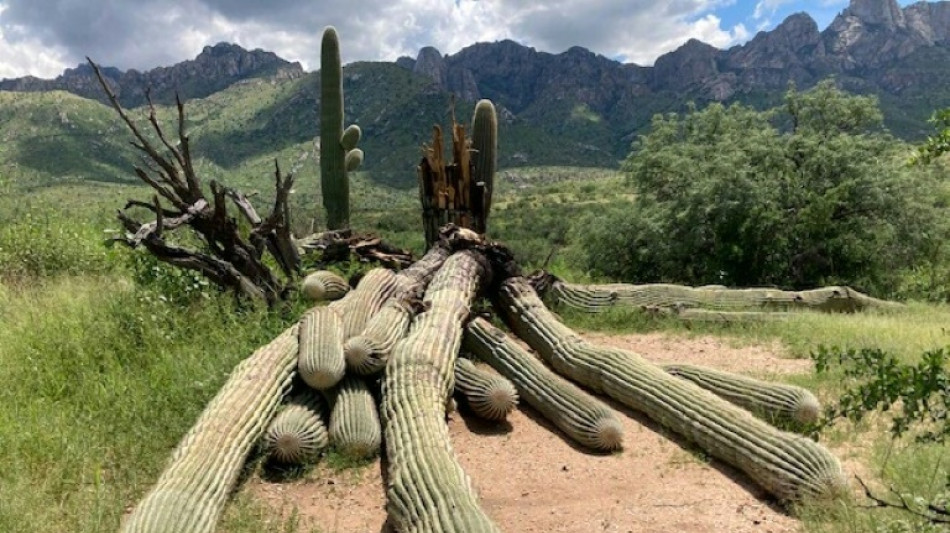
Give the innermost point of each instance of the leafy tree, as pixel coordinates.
(811, 193)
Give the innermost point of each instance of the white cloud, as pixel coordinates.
(767, 8)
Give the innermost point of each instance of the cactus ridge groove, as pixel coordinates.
(489, 395)
(355, 429)
(320, 355)
(583, 418)
(299, 431)
(324, 285)
(788, 466)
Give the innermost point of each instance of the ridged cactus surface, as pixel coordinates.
(192, 491)
(788, 466)
(360, 304)
(320, 358)
(485, 156)
(774, 401)
(595, 298)
(299, 431)
(583, 418)
(427, 489)
(324, 285)
(489, 395)
(368, 352)
(354, 422)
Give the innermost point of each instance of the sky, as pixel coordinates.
(43, 37)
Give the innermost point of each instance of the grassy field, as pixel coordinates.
(100, 376)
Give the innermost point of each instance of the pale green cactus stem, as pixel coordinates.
(324, 285)
(485, 156)
(298, 433)
(595, 298)
(787, 465)
(320, 359)
(193, 489)
(360, 304)
(583, 418)
(427, 489)
(774, 401)
(368, 352)
(338, 152)
(489, 395)
(355, 430)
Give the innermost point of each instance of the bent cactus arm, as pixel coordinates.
(581, 417)
(192, 491)
(299, 432)
(324, 285)
(489, 395)
(360, 304)
(368, 352)
(427, 489)
(320, 358)
(788, 466)
(774, 401)
(354, 422)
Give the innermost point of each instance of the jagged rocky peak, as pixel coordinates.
(431, 64)
(796, 38)
(689, 64)
(884, 13)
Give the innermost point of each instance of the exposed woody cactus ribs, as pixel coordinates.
(489, 395)
(579, 415)
(427, 489)
(299, 431)
(788, 466)
(191, 492)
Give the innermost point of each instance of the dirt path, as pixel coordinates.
(531, 480)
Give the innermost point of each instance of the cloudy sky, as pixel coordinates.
(43, 37)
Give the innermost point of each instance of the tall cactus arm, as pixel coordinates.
(324, 285)
(299, 431)
(320, 354)
(354, 422)
(333, 179)
(485, 158)
(774, 401)
(581, 417)
(489, 395)
(427, 490)
(788, 466)
(192, 491)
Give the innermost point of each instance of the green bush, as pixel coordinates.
(810, 194)
(42, 243)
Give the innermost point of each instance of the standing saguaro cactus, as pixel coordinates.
(485, 158)
(338, 152)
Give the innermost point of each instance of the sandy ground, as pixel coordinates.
(531, 479)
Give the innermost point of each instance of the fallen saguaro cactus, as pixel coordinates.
(774, 401)
(299, 431)
(192, 490)
(596, 298)
(324, 285)
(320, 353)
(427, 490)
(789, 466)
(489, 395)
(583, 418)
(355, 430)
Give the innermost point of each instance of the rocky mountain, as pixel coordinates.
(216, 68)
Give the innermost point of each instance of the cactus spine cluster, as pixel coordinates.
(320, 357)
(299, 432)
(338, 152)
(788, 466)
(579, 415)
(427, 489)
(485, 157)
(775, 401)
(489, 395)
(324, 285)
(355, 430)
(192, 491)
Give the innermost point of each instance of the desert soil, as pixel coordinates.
(531, 479)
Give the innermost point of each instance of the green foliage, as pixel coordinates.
(938, 143)
(172, 284)
(727, 196)
(44, 243)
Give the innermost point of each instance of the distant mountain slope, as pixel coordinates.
(574, 108)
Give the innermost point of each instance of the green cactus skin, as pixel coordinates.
(583, 418)
(355, 430)
(192, 491)
(774, 401)
(596, 298)
(489, 395)
(427, 489)
(320, 359)
(360, 304)
(298, 433)
(368, 352)
(324, 285)
(337, 148)
(789, 466)
(485, 157)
